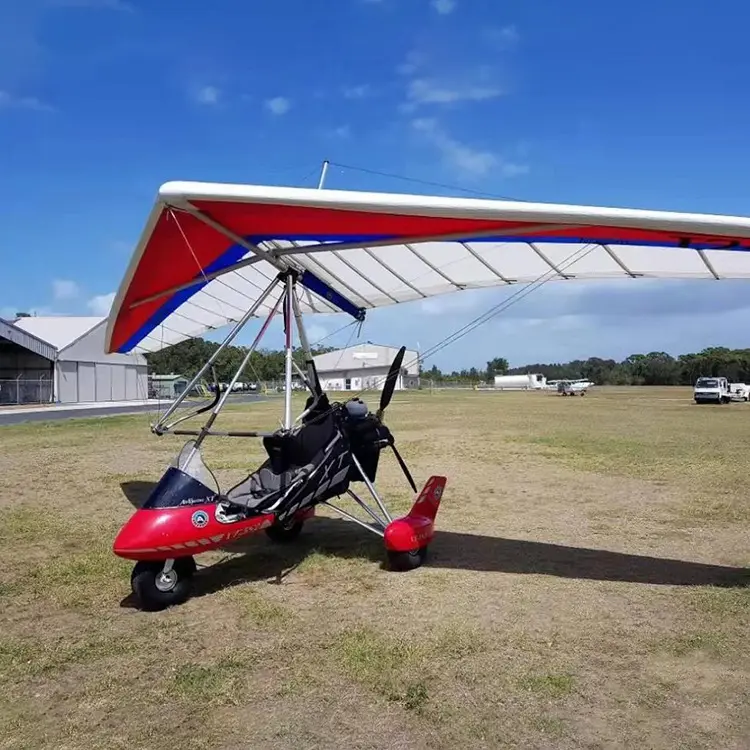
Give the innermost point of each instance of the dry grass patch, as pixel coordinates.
(585, 589)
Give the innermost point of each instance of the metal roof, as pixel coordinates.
(365, 356)
(167, 378)
(28, 341)
(60, 331)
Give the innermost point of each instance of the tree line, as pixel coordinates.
(187, 358)
(654, 368)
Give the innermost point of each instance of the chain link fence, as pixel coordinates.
(375, 385)
(456, 385)
(21, 391)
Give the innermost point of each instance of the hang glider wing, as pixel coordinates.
(208, 250)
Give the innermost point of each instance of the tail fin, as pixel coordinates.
(428, 502)
(415, 530)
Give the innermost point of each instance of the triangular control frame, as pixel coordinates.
(287, 301)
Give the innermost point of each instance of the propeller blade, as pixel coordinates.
(405, 468)
(390, 381)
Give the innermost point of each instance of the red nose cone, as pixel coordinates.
(144, 536)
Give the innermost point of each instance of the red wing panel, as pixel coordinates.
(278, 221)
(166, 262)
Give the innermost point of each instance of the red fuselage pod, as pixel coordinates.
(417, 528)
(178, 520)
(159, 533)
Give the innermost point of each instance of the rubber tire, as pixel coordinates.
(405, 561)
(143, 577)
(283, 535)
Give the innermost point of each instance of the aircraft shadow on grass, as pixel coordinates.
(449, 550)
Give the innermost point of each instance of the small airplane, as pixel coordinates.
(571, 387)
(214, 255)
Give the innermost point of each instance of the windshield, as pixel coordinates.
(190, 461)
(707, 383)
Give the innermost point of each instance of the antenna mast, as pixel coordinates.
(323, 174)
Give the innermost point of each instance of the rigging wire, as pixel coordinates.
(495, 310)
(352, 324)
(505, 304)
(446, 186)
(310, 174)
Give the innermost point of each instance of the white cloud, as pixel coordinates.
(446, 81)
(452, 303)
(343, 131)
(8, 101)
(207, 95)
(432, 91)
(63, 289)
(444, 7)
(361, 91)
(457, 68)
(462, 157)
(101, 304)
(279, 105)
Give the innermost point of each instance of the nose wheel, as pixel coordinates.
(158, 584)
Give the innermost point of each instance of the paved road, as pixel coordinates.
(100, 411)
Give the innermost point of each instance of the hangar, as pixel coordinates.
(61, 359)
(364, 367)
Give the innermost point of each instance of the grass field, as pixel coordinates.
(586, 589)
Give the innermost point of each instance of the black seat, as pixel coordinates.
(292, 458)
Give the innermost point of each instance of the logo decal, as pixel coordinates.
(198, 500)
(200, 518)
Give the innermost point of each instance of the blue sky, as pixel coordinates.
(630, 104)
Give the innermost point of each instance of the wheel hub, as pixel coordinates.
(166, 580)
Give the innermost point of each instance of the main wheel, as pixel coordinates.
(285, 532)
(155, 589)
(402, 561)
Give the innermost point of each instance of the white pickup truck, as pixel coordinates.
(711, 391)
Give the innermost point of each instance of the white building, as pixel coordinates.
(167, 386)
(61, 360)
(528, 381)
(364, 367)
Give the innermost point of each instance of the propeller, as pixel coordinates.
(403, 466)
(390, 382)
(385, 399)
